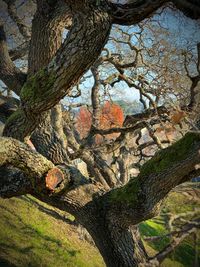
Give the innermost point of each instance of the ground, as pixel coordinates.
(33, 234)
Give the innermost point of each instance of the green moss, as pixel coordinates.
(127, 193)
(17, 118)
(38, 86)
(168, 156)
(18, 114)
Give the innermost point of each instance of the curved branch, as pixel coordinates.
(133, 13)
(43, 90)
(141, 197)
(9, 73)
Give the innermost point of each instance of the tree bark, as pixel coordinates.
(48, 24)
(9, 73)
(119, 246)
(108, 218)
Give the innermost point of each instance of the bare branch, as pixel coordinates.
(9, 73)
(132, 13)
(23, 29)
(95, 98)
(177, 237)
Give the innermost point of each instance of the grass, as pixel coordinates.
(184, 254)
(32, 234)
(29, 237)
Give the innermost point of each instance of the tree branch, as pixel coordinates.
(48, 141)
(37, 168)
(23, 29)
(190, 8)
(141, 197)
(130, 14)
(177, 238)
(133, 13)
(9, 73)
(43, 90)
(13, 182)
(51, 18)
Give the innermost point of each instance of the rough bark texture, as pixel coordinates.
(47, 26)
(54, 69)
(10, 75)
(44, 89)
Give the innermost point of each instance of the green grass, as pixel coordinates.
(32, 234)
(29, 237)
(152, 228)
(184, 254)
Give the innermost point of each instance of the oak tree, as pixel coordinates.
(107, 204)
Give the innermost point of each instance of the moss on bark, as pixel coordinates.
(167, 157)
(38, 86)
(163, 160)
(127, 193)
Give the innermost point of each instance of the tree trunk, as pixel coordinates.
(119, 247)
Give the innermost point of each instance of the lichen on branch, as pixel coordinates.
(36, 167)
(164, 159)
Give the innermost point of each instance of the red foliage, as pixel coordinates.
(111, 116)
(83, 122)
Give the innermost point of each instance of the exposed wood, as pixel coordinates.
(53, 178)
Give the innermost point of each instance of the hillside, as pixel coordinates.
(33, 234)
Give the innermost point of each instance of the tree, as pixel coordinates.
(109, 214)
(84, 122)
(111, 115)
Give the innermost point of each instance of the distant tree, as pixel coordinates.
(83, 122)
(111, 115)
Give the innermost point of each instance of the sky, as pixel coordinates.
(184, 29)
(181, 30)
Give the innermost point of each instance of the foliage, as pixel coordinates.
(111, 115)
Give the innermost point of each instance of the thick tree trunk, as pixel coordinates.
(47, 26)
(119, 246)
